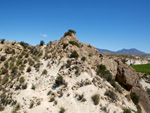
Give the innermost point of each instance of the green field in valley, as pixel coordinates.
(144, 68)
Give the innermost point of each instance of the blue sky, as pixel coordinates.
(108, 24)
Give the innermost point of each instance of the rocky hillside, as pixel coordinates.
(67, 76)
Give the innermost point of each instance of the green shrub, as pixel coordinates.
(6, 64)
(17, 107)
(89, 46)
(31, 105)
(2, 41)
(14, 70)
(77, 71)
(125, 110)
(74, 43)
(74, 54)
(59, 81)
(41, 43)
(25, 45)
(24, 86)
(29, 69)
(111, 95)
(83, 58)
(4, 71)
(139, 110)
(90, 55)
(22, 80)
(3, 58)
(72, 31)
(31, 62)
(44, 72)
(64, 45)
(124, 61)
(17, 87)
(49, 92)
(96, 99)
(5, 79)
(37, 66)
(39, 102)
(62, 110)
(51, 99)
(19, 62)
(104, 73)
(33, 87)
(134, 98)
(1, 108)
(69, 33)
(55, 102)
(22, 67)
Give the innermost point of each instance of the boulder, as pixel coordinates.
(126, 76)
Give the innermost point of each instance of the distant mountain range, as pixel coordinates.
(124, 51)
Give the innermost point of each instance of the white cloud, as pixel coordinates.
(44, 35)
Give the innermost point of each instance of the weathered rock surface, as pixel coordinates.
(144, 100)
(126, 76)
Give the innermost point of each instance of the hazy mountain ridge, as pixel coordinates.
(132, 51)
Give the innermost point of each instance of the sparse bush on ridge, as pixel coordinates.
(44, 72)
(74, 54)
(22, 66)
(24, 86)
(134, 98)
(124, 60)
(22, 80)
(64, 45)
(69, 33)
(31, 62)
(95, 99)
(77, 71)
(72, 31)
(38, 103)
(59, 81)
(89, 46)
(33, 87)
(29, 69)
(125, 110)
(6, 64)
(14, 70)
(62, 110)
(104, 73)
(2, 41)
(83, 58)
(19, 62)
(1, 108)
(52, 99)
(90, 55)
(3, 58)
(111, 95)
(31, 105)
(4, 71)
(17, 107)
(49, 92)
(25, 45)
(5, 79)
(41, 43)
(74, 43)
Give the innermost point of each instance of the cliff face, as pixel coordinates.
(62, 76)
